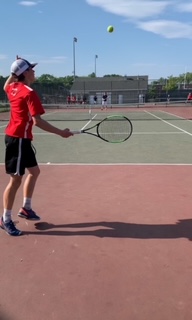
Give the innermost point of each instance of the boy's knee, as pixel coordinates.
(35, 172)
(16, 181)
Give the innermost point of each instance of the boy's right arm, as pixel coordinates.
(46, 126)
(9, 80)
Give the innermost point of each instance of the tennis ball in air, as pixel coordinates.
(110, 29)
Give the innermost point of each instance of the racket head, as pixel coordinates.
(115, 129)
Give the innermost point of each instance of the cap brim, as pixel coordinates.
(33, 64)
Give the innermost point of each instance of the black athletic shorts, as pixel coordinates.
(19, 155)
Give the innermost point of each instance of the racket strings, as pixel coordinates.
(115, 130)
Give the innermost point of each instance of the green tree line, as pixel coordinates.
(170, 83)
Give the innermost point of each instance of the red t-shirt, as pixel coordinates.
(24, 104)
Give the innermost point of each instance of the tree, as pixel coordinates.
(92, 75)
(49, 80)
(112, 75)
(171, 84)
(46, 78)
(153, 90)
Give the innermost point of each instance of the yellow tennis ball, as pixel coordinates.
(110, 29)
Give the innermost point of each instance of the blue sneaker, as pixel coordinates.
(28, 214)
(10, 228)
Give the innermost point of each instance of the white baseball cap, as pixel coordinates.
(21, 65)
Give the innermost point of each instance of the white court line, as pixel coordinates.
(170, 124)
(43, 115)
(174, 115)
(134, 133)
(3, 126)
(109, 164)
(88, 122)
(48, 113)
(56, 112)
(118, 164)
(158, 133)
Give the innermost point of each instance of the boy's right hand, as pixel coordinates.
(66, 133)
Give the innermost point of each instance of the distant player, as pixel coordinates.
(68, 99)
(104, 101)
(168, 98)
(95, 99)
(189, 98)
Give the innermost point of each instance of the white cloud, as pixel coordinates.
(168, 29)
(132, 8)
(139, 12)
(28, 3)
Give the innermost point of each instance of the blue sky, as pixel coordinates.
(150, 37)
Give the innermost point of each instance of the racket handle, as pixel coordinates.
(76, 131)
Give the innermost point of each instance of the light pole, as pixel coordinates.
(74, 41)
(96, 57)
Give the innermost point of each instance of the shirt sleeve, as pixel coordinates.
(8, 88)
(34, 104)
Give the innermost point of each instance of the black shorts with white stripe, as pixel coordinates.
(19, 155)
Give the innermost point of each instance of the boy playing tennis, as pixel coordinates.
(26, 110)
(104, 101)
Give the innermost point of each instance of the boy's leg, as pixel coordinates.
(13, 167)
(10, 191)
(28, 189)
(30, 181)
(32, 166)
(6, 222)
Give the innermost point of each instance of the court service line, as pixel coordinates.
(48, 113)
(167, 122)
(88, 122)
(134, 133)
(158, 133)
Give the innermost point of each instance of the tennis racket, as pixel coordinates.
(113, 129)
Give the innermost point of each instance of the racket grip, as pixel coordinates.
(76, 131)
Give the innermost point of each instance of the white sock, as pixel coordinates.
(27, 203)
(7, 215)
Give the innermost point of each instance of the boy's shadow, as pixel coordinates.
(117, 229)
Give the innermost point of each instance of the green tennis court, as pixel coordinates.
(161, 134)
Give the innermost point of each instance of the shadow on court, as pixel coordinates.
(181, 229)
(4, 316)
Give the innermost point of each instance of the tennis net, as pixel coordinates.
(175, 110)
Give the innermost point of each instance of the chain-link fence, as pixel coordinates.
(56, 94)
(48, 93)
